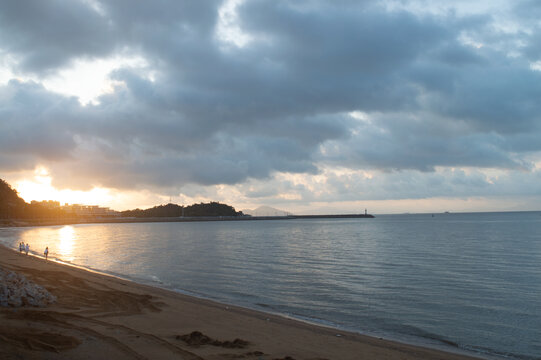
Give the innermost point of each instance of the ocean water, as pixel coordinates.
(468, 282)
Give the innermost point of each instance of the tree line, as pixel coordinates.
(13, 207)
(211, 209)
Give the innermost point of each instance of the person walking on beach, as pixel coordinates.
(27, 248)
(21, 247)
(46, 252)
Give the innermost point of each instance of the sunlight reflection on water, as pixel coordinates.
(463, 278)
(67, 238)
(60, 240)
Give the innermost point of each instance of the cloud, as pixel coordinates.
(423, 142)
(344, 185)
(34, 122)
(499, 98)
(46, 36)
(440, 88)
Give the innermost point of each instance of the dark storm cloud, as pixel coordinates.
(216, 113)
(44, 35)
(35, 122)
(395, 142)
(337, 60)
(225, 161)
(501, 98)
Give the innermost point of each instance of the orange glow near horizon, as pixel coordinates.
(40, 188)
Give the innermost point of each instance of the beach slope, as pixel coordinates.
(101, 317)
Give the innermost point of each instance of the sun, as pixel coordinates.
(40, 188)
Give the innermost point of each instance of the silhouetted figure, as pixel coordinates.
(27, 248)
(46, 252)
(21, 247)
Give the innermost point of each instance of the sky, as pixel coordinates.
(307, 106)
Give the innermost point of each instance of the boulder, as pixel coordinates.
(16, 291)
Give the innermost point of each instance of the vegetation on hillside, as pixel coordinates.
(13, 207)
(195, 210)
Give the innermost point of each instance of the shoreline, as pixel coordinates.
(159, 317)
(8, 223)
(127, 220)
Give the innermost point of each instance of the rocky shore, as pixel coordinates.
(16, 291)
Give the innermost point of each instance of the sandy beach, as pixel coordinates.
(101, 317)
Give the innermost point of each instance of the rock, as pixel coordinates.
(196, 339)
(16, 291)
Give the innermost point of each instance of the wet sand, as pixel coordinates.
(102, 317)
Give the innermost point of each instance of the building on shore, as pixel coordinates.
(89, 210)
(49, 204)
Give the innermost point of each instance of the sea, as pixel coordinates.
(465, 282)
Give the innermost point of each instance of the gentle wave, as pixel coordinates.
(457, 281)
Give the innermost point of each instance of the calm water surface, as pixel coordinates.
(470, 280)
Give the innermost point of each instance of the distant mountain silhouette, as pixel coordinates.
(266, 211)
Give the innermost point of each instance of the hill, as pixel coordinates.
(210, 209)
(13, 207)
